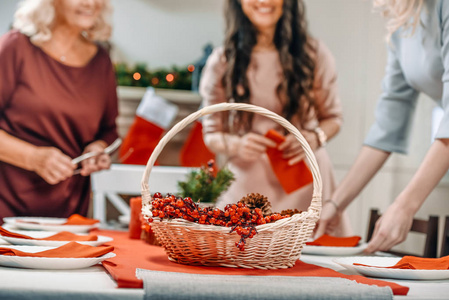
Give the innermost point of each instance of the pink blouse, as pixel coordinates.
(264, 76)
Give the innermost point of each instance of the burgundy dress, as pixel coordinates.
(47, 103)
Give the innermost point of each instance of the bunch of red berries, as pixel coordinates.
(237, 216)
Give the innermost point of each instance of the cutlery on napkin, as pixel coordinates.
(417, 263)
(333, 241)
(292, 177)
(60, 236)
(70, 250)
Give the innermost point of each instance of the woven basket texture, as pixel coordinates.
(276, 245)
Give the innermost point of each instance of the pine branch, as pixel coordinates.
(204, 186)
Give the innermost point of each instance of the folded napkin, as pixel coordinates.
(418, 263)
(70, 250)
(133, 254)
(76, 219)
(180, 286)
(333, 241)
(60, 236)
(292, 177)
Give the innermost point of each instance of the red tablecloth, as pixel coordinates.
(133, 254)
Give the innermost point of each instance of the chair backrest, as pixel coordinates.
(126, 179)
(445, 244)
(428, 227)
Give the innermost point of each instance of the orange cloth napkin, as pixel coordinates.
(60, 236)
(333, 241)
(132, 254)
(418, 263)
(292, 177)
(70, 250)
(76, 219)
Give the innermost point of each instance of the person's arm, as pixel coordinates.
(367, 164)
(48, 162)
(329, 109)
(107, 131)
(327, 106)
(396, 222)
(389, 133)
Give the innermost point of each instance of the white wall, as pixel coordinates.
(167, 32)
(7, 8)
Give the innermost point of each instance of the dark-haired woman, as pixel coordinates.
(270, 60)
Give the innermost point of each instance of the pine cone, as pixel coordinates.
(290, 212)
(255, 200)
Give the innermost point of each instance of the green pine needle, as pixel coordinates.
(202, 185)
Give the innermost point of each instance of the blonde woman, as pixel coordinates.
(418, 61)
(57, 100)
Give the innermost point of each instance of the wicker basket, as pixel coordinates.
(276, 245)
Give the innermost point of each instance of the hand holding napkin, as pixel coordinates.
(418, 263)
(70, 250)
(292, 177)
(333, 241)
(60, 236)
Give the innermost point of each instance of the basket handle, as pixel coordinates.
(315, 205)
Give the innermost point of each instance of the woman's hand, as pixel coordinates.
(292, 147)
(329, 219)
(96, 163)
(391, 229)
(252, 146)
(51, 164)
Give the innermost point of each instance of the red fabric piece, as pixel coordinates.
(76, 219)
(418, 263)
(60, 236)
(72, 249)
(292, 177)
(194, 153)
(133, 254)
(333, 241)
(140, 141)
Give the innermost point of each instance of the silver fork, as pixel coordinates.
(108, 150)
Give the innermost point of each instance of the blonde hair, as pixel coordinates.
(34, 18)
(401, 13)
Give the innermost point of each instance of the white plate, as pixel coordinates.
(43, 234)
(334, 251)
(47, 224)
(124, 219)
(49, 263)
(348, 262)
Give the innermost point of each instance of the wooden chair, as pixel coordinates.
(427, 227)
(445, 243)
(125, 179)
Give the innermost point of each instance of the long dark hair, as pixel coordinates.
(295, 51)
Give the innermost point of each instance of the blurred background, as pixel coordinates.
(169, 35)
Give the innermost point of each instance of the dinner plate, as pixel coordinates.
(124, 219)
(334, 251)
(49, 263)
(348, 262)
(43, 234)
(47, 224)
